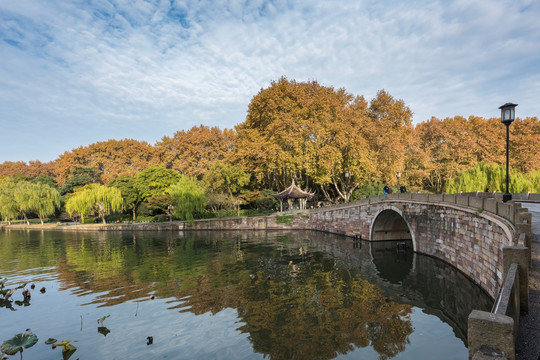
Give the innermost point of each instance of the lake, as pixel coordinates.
(232, 295)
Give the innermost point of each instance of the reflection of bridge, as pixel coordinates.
(413, 279)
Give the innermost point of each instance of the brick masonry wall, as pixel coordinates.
(300, 221)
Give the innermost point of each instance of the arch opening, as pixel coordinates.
(389, 225)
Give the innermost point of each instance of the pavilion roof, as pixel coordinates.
(293, 192)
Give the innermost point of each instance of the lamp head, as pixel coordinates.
(508, 113)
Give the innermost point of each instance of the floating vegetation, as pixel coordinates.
(18, 342)
(102, 319)
(67, 348)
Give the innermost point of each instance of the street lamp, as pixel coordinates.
(398, 175)
(347, 176)
(508, 115)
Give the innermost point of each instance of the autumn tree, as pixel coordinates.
(309, 133)
(95, 198)
(388, 132)
(110, 159)
(449, 147)
(194, 152)
(525, 144)
(31, 169)
(188, 196)
(453, 145)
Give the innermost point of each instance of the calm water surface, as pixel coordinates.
(232, 295)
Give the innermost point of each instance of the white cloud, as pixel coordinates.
(94, 70)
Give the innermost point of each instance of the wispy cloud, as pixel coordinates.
(72, 73)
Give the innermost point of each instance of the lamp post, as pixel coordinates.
(347, 176)
(508, 115)
(398, 175)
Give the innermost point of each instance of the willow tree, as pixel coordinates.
(38, 198)
(492, 177)
(189, 197)
(8, 205)
(95, 198)
(23, 199)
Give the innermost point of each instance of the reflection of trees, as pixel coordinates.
(318, 312)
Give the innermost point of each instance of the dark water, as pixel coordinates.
(232, 295)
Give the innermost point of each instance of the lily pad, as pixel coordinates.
(16, 343)
(50, 341)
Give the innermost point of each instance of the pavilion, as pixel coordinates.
(291, 194)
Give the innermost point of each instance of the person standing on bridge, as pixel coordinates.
(387, 189)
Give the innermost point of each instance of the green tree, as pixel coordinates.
(79, 177)
(492, 177)
(155, 180)
(41, 199)
(45, 179)
(8, 205)
(227, 178)
(23, 199)
(95, 198)
(130, 192)
(188, 196)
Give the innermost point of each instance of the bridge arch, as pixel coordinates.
(390, 224)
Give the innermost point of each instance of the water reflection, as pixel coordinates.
(297, 295)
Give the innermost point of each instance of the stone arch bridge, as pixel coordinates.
(469, 232)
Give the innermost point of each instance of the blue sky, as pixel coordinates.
(76, 72)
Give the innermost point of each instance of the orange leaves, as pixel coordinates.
(111, 158)
(193, 152)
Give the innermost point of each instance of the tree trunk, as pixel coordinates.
(26, 219)
(40, 219)
(134, 213)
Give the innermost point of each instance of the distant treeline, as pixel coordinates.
(329, 141)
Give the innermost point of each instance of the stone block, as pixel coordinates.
(450, 198)
(420, 197)
(435, 197)
(490, 205)
(476, 202)
(506, 211)
(519, 255)
(462, 200)
(491, 331)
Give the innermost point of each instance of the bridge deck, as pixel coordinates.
(528, 341)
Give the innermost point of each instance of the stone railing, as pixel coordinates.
(493, 334)
(527, 197)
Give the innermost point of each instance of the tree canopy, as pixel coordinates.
(95, 198)
(189, 197)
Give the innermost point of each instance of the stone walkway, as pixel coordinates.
(528, 342)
